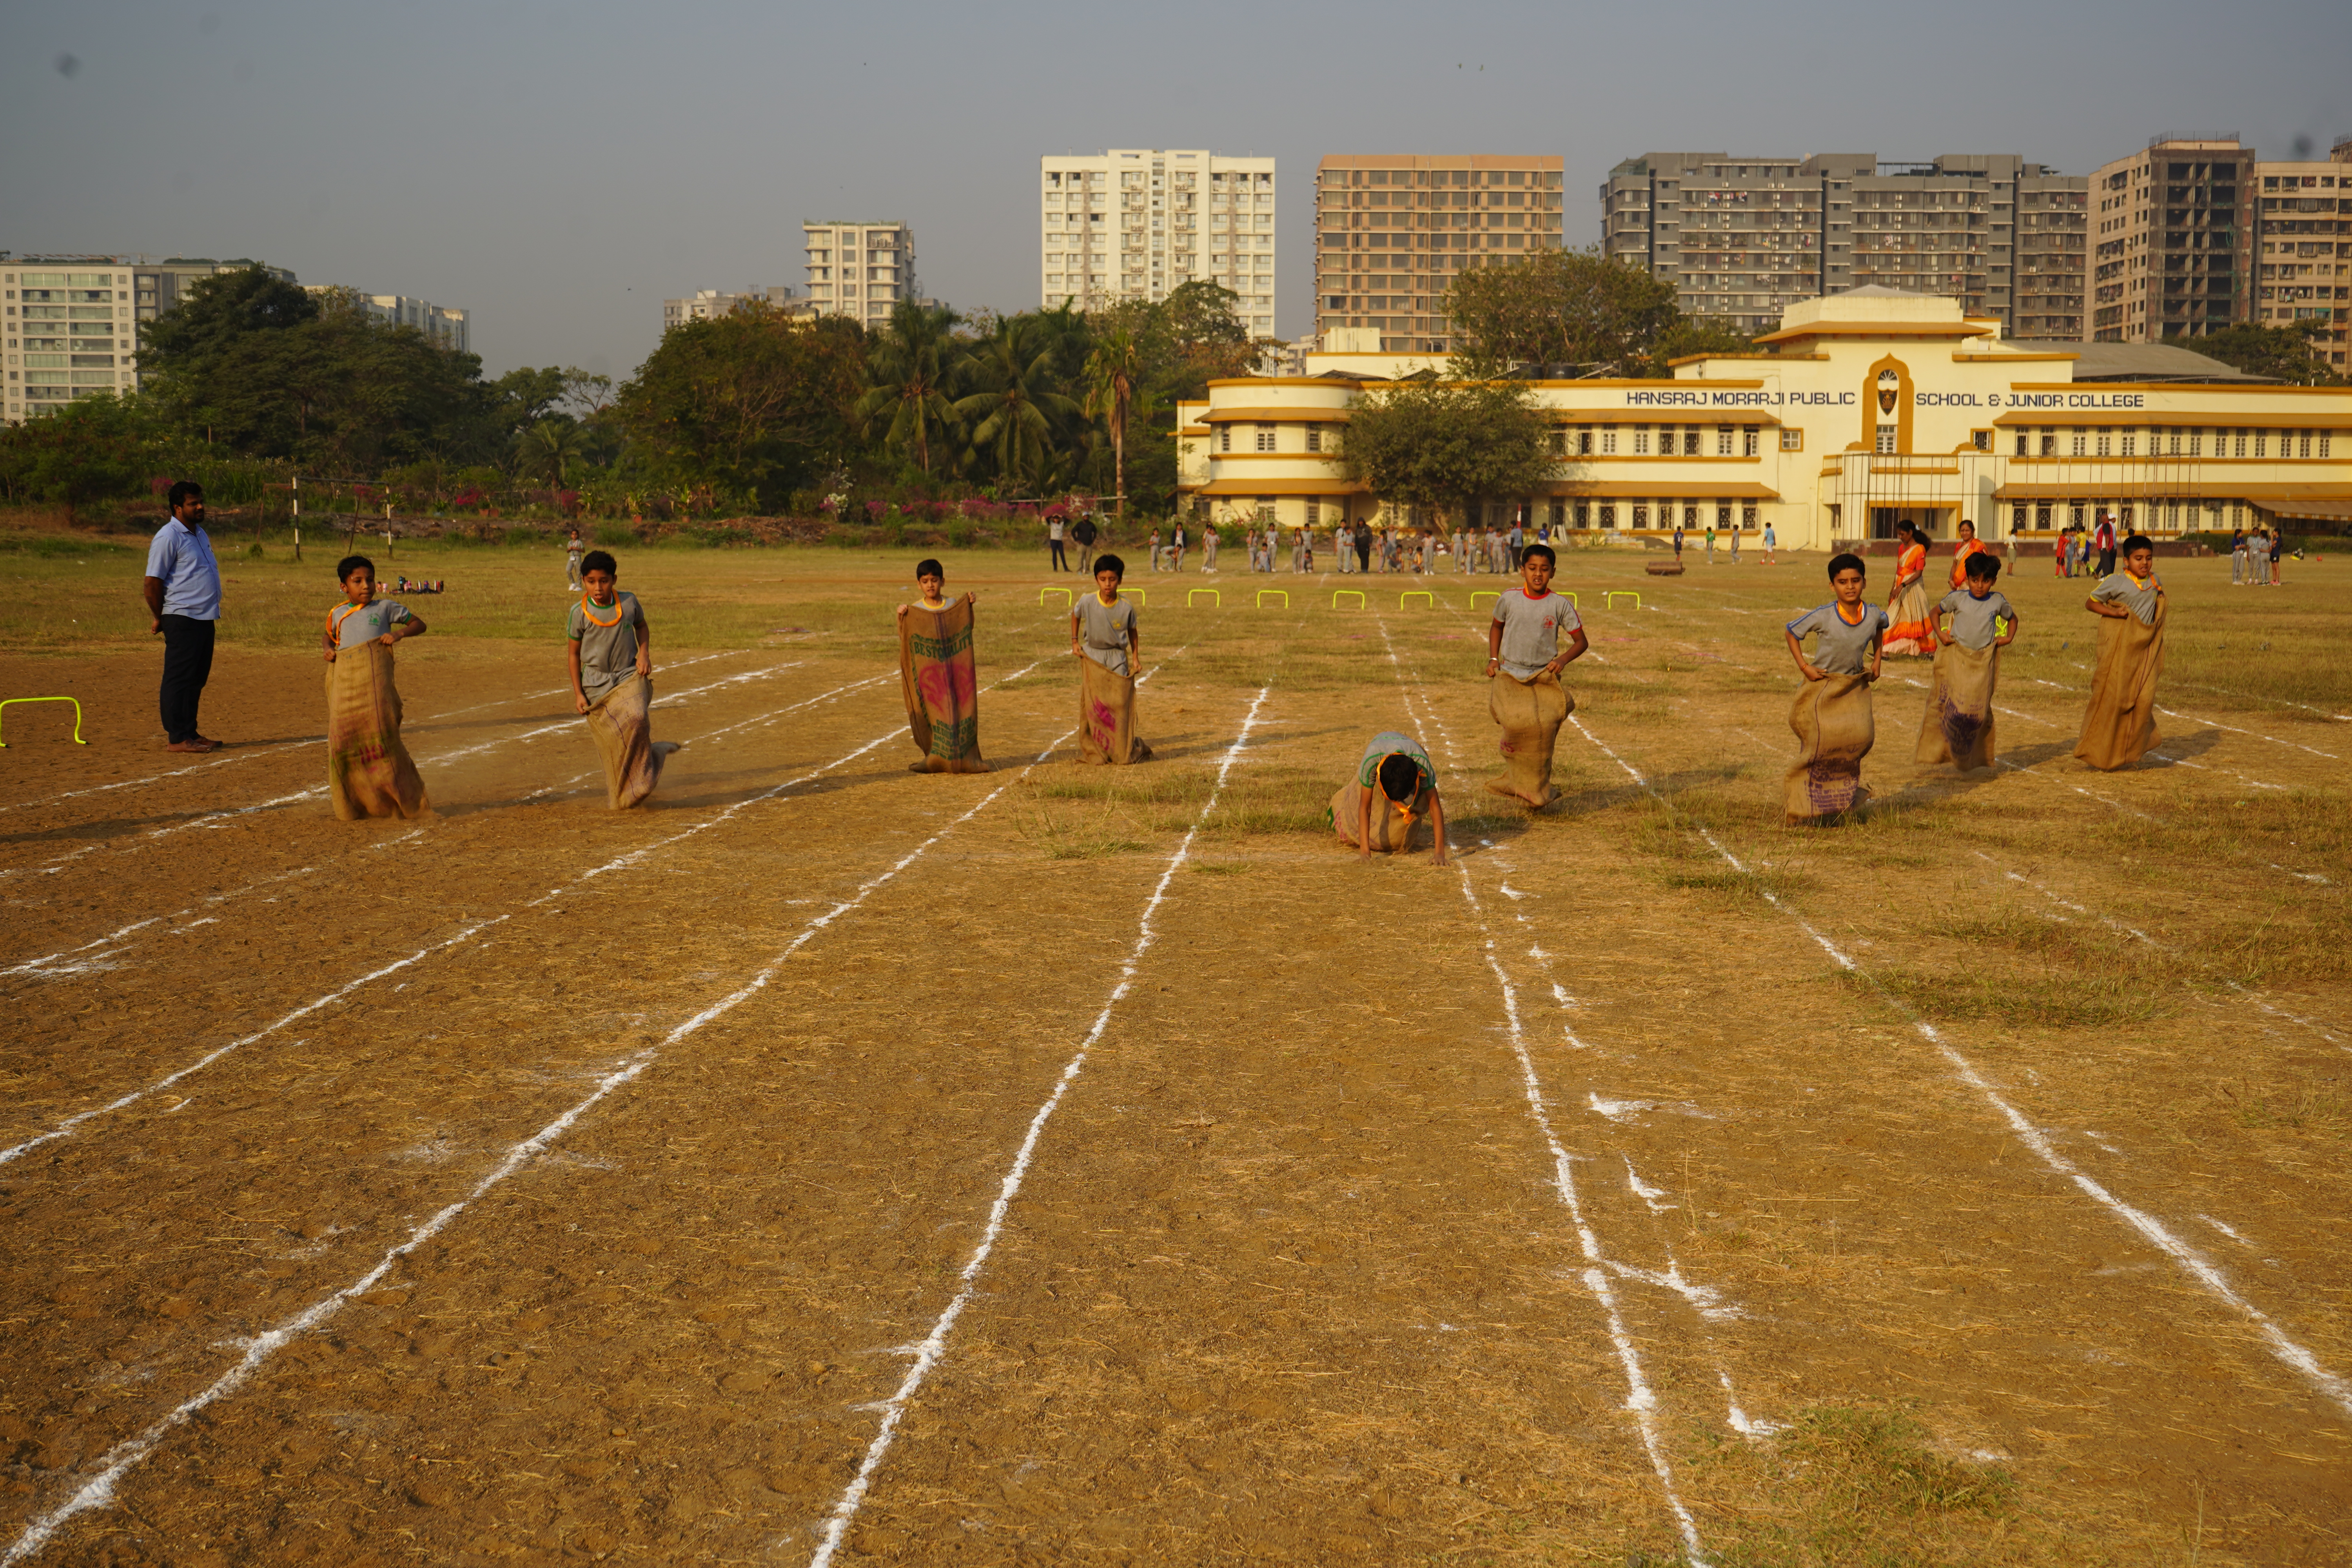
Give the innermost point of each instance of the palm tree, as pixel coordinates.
(908, 370)
(549, 448)
(1015, 412)
(1111, 373)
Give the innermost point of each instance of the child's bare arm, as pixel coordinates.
(1363, 824)
(1437, 823)
(1576, 646)
(645, 648)
(402, 631)
(2009, 636)
(1877, 639)
(579, 693)
(1494, 647)
(1797, 652)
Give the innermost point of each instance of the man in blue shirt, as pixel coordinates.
(183, 589)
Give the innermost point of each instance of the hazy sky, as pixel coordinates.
(560, 169)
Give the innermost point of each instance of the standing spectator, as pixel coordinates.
(184, 592)
(1363, 547)
(1679, 544)
(1208, 548)
(1151, 551)
(1710, 545)
(1518, 540)
(2106, 546)
(2237, 556)
(2278, 547)
(1176, 550)
(572, 550)
(1735, 544)
(1771, 542)
(1083, 531)
(1058, 560)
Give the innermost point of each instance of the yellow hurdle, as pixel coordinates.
(1609, 600)
(1066, 600)
(77, 708)
(1337, 592)
(1484, 594)
(1216, 599)
(1134, 593)
(1284, 592)
(1423, 594)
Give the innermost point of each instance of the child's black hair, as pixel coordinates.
(927, 567)
(1112, 564)
(1400, 778)
(1984, 564)
(2138, 541)
(599, 561)
(351, 563)
(1543, 550)
(1845, 559)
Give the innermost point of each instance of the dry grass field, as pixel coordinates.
(832, 1163)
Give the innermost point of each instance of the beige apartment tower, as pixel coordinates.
(1137, 223)
(2302, 248)
(859, 270)
(2172, 240)
(1394, 230)
(1742, 239)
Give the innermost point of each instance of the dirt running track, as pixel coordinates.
(838, 1163)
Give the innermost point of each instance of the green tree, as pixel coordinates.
(2285, 353)
(1113, 371)
(754, 403)
(1561, 308)
(1011, 418)
(549, 450)
(1441, 445)
(908, 370)
(93, 448)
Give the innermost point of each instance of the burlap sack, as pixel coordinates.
(369, 771)
(623, 729)
(1960, 722)
(2119, 726)
(1834, 732)
(1530, 712)
(1106, 716)
(941, 687)
(1394, 827)
(1912, 633)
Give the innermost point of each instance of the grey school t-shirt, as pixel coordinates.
(1838, 647)
(2137, 594)
(1972, 617)
(1531, 629)
(1394, 744)
(608, 653)
(353, 627)
(1102, 631)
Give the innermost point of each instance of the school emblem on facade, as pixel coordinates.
(1890, 385)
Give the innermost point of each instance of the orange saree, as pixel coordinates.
(1911, 633)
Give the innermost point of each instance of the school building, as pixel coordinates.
(1864, 410)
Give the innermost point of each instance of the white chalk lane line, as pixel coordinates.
(1706, 1301)
(246, 753)
(932, 1348)
(211, 819)
(98, 1491)
(2334, 1388)
(71, 1124)
(119, 1460)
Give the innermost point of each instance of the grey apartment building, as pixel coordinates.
(72, 320)
(1742, 237)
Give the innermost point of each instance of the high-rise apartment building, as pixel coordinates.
(2303, 248)
(2172, 240)
(1136, 223)
(704, 303)
(859, 270)
(71, 321)
(1393, 232)
(447, 325)
(1743, 237)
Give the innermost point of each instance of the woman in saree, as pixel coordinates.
(1909, 633)
(1970, 546)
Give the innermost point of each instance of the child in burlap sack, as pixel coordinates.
(612, 681)
(2119, 724)
(1958, 728)
(1394, 790)
(369, 771)
(1831, 714)
(1522, 665)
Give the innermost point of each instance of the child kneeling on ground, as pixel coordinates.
(1395, 788)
